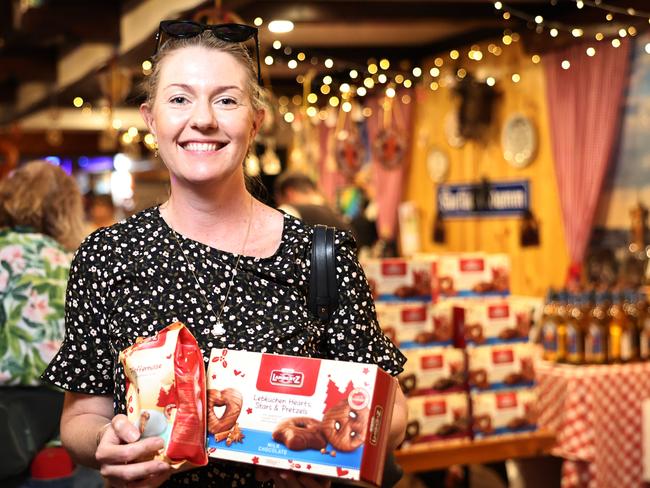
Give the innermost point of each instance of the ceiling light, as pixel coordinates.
(280, 26)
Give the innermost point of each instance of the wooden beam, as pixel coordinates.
(28, 64)
(77, 21)
(33, 145)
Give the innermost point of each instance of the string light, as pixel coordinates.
(616, 42)
(277, 44)
(384, 64)
(354, 74)
(566, 64)
(490, 81)
(361, 91)
(435, 72)
(268, 60)
(329, 63)
(454, 54)
(591, 51)
(516, 78)
(535, 59)
(408, 83)
(382, 78)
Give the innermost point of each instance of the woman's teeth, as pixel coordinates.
(201, 146)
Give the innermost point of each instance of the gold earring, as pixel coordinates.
(155, 147)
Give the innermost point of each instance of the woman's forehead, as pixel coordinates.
(197, 64)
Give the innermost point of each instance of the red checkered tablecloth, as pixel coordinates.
(596, 413)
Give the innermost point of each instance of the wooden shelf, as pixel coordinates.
(437, 455)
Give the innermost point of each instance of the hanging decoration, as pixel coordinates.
(389, 147)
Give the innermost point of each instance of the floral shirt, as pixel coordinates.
(132, 279)
(33, 275)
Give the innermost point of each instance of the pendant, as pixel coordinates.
(218, 329)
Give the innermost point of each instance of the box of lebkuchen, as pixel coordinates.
(328, 418)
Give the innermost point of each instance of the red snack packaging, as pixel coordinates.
(165, 394)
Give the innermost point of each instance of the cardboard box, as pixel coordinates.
(495, 321)
(432, 370)
(437, 417)
(322, 417)
(503, 412)
(399, 279)
(501, 366)
(414, 324)
(472, 274)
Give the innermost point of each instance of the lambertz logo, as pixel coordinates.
(287, 377)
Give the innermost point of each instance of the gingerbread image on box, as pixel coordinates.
(503, 412)
(437, 417)
(472, 274)
(501, 366)
(395, 278)
(432, 369)
(329, 418)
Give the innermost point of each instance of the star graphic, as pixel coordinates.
(256, 460)
(214, 376)
(366, 370)
(249, 410)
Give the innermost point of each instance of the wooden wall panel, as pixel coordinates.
(536, 268)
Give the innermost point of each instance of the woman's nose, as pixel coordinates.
(204, 116)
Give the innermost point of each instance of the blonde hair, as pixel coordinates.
(44, 197)
(206, 40)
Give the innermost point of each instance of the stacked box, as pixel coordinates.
(501, 366)
(400, 279)
(437, 417)
(503, 412)
(472, 274)
(433, 370)
(414, 324)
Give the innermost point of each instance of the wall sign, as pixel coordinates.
(488, 199)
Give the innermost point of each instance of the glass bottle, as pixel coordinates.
(575, 329)
(630, 334)
(644, 327)
(597, 333)
(561, 329)
(619, 345)
(549, 326)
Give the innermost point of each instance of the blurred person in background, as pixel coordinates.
(41, 223)
(101, 212)
(297, 194)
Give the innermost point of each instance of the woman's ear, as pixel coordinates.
(147, 116)
(258, 118)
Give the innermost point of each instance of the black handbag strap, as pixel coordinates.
(323, 291)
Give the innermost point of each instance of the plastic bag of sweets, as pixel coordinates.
(165, 394)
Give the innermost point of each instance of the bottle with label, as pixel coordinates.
(619, 338)
(596, 333)
(630, 335)
(561, 328)
(644, 326)
(575, 329)
(549, 326)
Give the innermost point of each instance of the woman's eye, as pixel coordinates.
(227, 102)
(178, 100)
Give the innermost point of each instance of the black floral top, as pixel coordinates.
(130, 280)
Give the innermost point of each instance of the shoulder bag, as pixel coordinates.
(324, 300)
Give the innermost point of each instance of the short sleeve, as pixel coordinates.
(84, 363)
(353, 333)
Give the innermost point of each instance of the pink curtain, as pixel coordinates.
(585, 107)
(389, 183)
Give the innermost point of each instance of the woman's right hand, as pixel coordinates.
(120, 452)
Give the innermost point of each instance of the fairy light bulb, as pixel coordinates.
(268, 60)
(490, 81)
(566, 64)
(553, 32)
(329, 63)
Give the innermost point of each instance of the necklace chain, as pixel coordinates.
(217, 329)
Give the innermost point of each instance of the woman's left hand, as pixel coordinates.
(290, 479)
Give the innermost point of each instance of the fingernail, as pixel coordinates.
(132, 436)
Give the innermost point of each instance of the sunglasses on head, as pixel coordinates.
(184, 29)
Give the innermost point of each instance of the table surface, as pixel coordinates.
(596, 413)
(438, 455)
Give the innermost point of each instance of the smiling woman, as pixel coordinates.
(233, 270)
